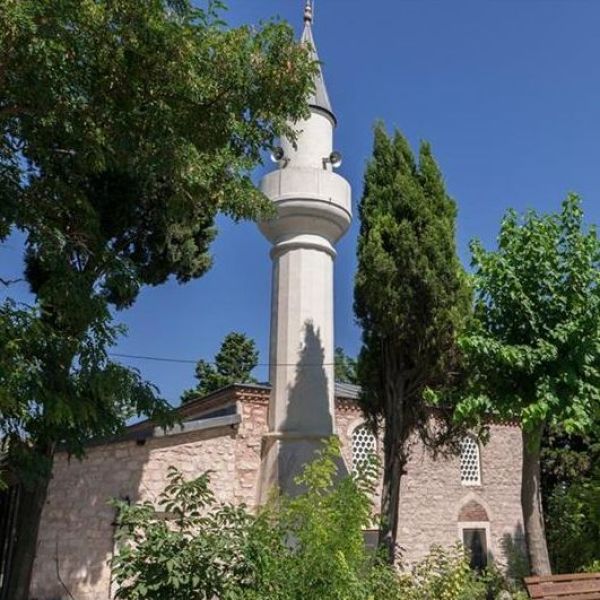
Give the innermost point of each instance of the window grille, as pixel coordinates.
(470, 468)
(363, 446)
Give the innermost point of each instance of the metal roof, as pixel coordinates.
(347, 390)
(319, 98)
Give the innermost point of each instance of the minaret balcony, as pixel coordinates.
(309, 201)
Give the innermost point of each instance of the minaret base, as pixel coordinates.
(284, 456)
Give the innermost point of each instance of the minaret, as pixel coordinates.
(313, 212)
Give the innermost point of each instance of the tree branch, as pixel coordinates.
(60, 579)
(9, 282)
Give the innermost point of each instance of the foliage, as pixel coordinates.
(570, 477)
(593, 567)
(190, 546)
(574, 524)
(345, 367)
(126, 127)
(99, 395)
(234, 363)
(445, 575)
(411, 298)
(310, 545)
(532, 354)
(567, 458)
(535, 343)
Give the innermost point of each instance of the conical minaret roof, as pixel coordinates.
(319, 99)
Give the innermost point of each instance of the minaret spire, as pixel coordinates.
(319, 99)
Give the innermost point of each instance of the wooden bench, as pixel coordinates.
(582, 586)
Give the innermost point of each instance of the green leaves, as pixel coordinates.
(191, 546)
(531, 354)
(126, 127)
(574, 523)
(410, 290)
(234, 363)
(345, 367)
(411, 298)
(533, 349)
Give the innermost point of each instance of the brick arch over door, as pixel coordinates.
(472, 511)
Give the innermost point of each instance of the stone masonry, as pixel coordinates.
(77, 531)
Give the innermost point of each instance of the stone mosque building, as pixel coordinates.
(256, 436)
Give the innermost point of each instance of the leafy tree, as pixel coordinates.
(126, 127)
(573, 520)
(567, 458)
(234, 363)
(411, 298)
(345, 367)
(571, 497)
(533, 351)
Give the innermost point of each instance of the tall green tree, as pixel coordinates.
(533, 351)
(126, 127)
(572, 512)
(411, 299)
(345, 367)
(571, 496)
(234, 363)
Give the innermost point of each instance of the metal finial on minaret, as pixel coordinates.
(308, 11)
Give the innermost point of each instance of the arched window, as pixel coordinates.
(363, 445)
(470, 467)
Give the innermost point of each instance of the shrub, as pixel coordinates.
(189, 546)
(444, 575)
(574, 524)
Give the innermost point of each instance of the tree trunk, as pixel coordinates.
(393, 469)
(531, 500)
(31, 504)
(394, 455)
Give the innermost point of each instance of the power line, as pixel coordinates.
(187, 361)
(154, 358)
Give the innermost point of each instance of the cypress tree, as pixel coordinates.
(411, 298)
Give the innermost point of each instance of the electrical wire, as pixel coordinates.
(187, 361)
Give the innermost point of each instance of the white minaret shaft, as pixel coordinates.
(313, 211)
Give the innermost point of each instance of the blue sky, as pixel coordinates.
(507, 92)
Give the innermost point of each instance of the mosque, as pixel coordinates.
(254, 437)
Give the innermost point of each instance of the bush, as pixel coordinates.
(444, 575)
(191, 547)
(309, 546)
(573, 523)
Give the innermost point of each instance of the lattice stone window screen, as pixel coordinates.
(470, 468)
(363, 445)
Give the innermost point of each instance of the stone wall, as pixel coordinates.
(432, 495)
(77, 531)
(432, 498)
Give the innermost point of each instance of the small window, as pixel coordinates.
(475, 542)
(363, 446)
(470, 470)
